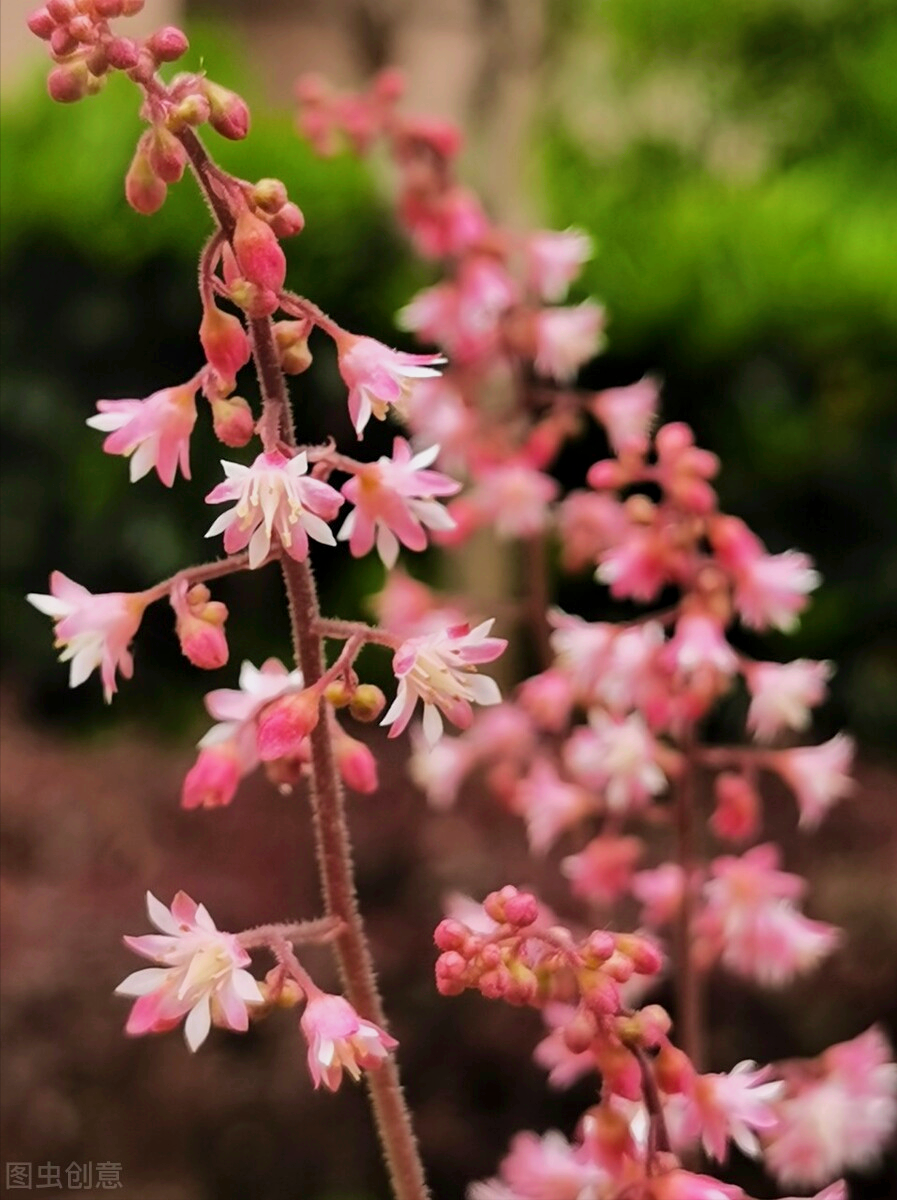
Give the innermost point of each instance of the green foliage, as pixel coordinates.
(736, 163)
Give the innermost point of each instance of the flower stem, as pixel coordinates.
(334, 849)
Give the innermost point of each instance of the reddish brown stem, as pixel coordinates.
(328, 807)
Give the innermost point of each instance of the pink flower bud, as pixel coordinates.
(599, 946)
(673, 1069)
(511, 907)
(130, 8)
(168, 44)
(62, 43)
(229, 114)
(258, 252)
(450, 935)
(289, 221)
(192, 110)
(736, 817)
(62, 10)
(357, 765)
(367, 702)
(224, 341)
(494, 984)
(144, 189)
(69, 83)
(580, 1031)
(605, 474)
(166, 154)
(83, 29)
(450, 974)
(292, 344)
(233, 421)
(254, 300)
(285, 723)
(108, 9)
(644, 955)
(270, 195)
(41, 23)
(389, 85)
(122, 53)
(213, 779)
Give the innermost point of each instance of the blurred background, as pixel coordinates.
(737, 166)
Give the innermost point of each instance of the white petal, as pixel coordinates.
(317, 528)
(298, 465)
(326, 1052)
(259, 545)
(49, 605)
(484, 689)
(221, 522)
(432, 514)
(141, 983)
(247, 988)
(234, 470)
(346, 528)
(160, 916)
(424, 458)
(84, 663)
(432, 724)
(387, 545)
(203, 919)
(411, 372)
(108, 422)
(480, 631)
(198, 1024)
(143, 459)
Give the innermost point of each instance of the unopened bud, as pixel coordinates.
(69, 83)
(224, 341)
(108, 9)
(450, 974)
(229, 114)
(130, 8)
(270, 195)
(285, 723)
(192, 110)
(254, 300)
(62, 44)
(83, 29)
(62, 10)
(233, 421)
(289, 221)
(258, 252)
(511, 907)
(122, 53)
(644, 955)
(450, 935)
(357, 765)
(367, 702)
(166, 154)
(673, 1069)
(213, 779)
(42, 24)
(337, 694)
(168, 44)
(96, 60)
(580, 1031)
(281, 989)
(144, 189)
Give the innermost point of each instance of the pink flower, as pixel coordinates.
(770, 589)
(566, 338)
(548, 804)
(564, 1066)
(394, 502)
(838, 1114)
(699, 644)
(638, 566)
(751, 920)
(555, 260)
(547, 698)
(378, 377)
(154, 432)
(581, 648)
(660, 892)
(588, 525)
(339, 1039)
(92, 630)
(617, 758)
(440, 669)
(734, 1106)
(200, 625)
(439, 770)
(782, 695)
(685, 1185)
(201, 974)
(229, 750)
(818, 775)
(544, 1168)
(514, 498)
(436, 413)
(273, 497)
(627, 414)
(602, 871)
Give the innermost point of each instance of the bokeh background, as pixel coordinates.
(736, 164)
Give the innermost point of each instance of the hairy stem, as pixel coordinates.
(334, 849)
